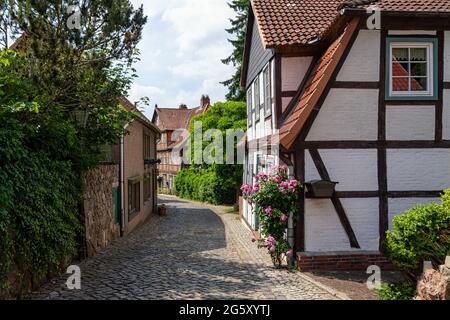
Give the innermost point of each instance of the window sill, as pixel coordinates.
(133, 214)
(412, 98)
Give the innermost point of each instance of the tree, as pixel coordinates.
(8, 29)
(58, 107)
(238, 30)
(215, 183)
(79, 58)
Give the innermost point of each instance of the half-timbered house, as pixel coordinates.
(352, 92)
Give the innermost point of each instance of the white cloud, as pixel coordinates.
(139, 91)
(196, 20)
(181, 51)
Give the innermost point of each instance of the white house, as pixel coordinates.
(355, 95)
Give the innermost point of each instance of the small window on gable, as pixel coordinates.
(250, 107)
(257, 92)
(412, 69)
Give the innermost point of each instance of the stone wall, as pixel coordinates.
(101, 230)
(435, 284)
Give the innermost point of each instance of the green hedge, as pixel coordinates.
(213, 185)
(420, 234)
(39, 200)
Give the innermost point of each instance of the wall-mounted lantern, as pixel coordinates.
(152, 161)
(320, 188)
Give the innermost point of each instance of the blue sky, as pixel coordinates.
(181, 49)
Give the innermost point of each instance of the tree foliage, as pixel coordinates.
(238, 33)
(58, 108)
(214, 183)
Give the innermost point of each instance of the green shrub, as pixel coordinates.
(401, 291)
(420, 234)
(207, 185)
(39, 199)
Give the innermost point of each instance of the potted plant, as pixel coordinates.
(162, 210)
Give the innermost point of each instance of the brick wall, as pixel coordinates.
(341, 261)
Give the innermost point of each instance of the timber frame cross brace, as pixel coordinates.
(318, 162)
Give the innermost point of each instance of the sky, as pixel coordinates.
(182, 45)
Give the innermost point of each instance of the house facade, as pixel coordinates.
(353, 92)
(174, 124)
(138, 170)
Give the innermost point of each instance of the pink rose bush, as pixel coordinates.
(275, 199)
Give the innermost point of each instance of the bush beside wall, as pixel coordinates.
(420, 234)
(207, 185)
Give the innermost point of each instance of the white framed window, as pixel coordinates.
(250, 107)
(412, 69)
(257, 92)
(267, 92)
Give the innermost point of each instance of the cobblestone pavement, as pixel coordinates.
(195, 252)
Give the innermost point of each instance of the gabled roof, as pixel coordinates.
(301, 22)
(401, 5)
(316, 85)
(173, 119)
(293, 22)
(124, 102)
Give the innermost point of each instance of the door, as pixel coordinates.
(116, 206)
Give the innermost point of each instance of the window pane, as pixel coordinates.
(400, 84)
(419, 84)
(400, 54)
(400, 69)
(418, 54)
(419, 69)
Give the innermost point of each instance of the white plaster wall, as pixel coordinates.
(446, 114)
(410, 122)
(447, 56)
(284, 103)
(293, 70)
(311, 172)
(355, 170)
(363, 215)
(347, 114)
(323, 230)
(401, 205)
(418, 169)
(363, 61)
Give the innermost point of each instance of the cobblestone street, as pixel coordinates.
(195, 252)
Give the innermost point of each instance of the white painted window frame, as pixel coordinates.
(430, 69)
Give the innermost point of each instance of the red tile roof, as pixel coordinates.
(173, 119)
(288, 22)
(299, 22)
(124, 102)
(403, 5)
(316, 85)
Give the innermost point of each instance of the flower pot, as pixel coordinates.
(162, 211)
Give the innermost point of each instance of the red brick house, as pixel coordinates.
(172, 123)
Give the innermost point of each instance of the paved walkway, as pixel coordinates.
(196, 252)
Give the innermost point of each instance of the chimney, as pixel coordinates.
(183, 106)
(205, 101)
